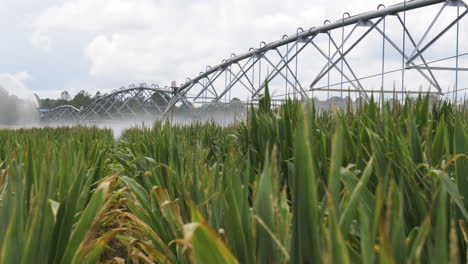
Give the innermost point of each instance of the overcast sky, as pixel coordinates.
(49, 46)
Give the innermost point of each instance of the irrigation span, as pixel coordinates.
(390, 51)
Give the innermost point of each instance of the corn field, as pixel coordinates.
(384, 182)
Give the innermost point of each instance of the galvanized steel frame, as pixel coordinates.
(280, 60)
(337, 60)
(127, 102)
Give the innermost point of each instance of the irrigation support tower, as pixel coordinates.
(281, 57)
(364, 55)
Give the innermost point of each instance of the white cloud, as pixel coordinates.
(95, 16)
(170, 39)
(41, 41)
(22, 76)
(92, 17)
(121, 53)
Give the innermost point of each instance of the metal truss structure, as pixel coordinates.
(386, 31)
(125, 103)
(61, 113)
(389, 52)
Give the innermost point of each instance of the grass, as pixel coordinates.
(384, 183)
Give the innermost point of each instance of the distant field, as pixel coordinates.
(373, 184)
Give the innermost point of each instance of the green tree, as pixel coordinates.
(65, 96)
(82, 99)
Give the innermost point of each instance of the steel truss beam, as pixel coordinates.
(64, 113)
(438, 68)
(279, 60)
(395, 46)
(417, 52)
(343, 55)
(277, 71)
(361, 19)
(437, 85)
(123, 103)
(376, 91)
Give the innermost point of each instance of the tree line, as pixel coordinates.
(80, 100)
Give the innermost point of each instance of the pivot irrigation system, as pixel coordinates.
(392, 51)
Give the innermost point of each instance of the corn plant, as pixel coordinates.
(51, 188)
(382, 182)
(377, 184)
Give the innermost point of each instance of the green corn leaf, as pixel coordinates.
(338, 251)
(366, 236)
(440, 233)
(306, 237)
(264, 210)
(419, 242)
(86, 220)
(439, 144)
(460, 146)
(352, 204)
(334, 185)
(454, 193)
(205, 246)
